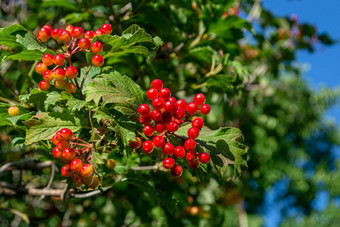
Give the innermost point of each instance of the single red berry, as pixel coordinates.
(68, 153)
(204, 157)
(55, 141)
(147, 147)
(59, 84)
(179, 114)
(168, 148)
(49, 27)
(135, 144)
(66, 133)
(169, 106)
(47, 59)
(89, 34)
(44, 85)
(58, 136)
(65, 171)
(71, 72)
(172, 126)
(173, 99)
(41, 68)
(167, 117)
(64, 36)
(96, 47)
(59, 74)
(190, 144)
(84, 43)
(191, 154)
(44, 34)
(169, 163)
(62, 144)
(57, 153)
(48, 76)
(148, 130)
(158, 103)
(77, 32)
(69, 28)
(192, 108)
(144, 109)
(176, 171)
(164, 93)
(160, 127)
(76, 164)
(157, 84)
(205, 109)
(179, 152)
(55, 33)
(157, 115)
(199, 99)
(152, 93)
(197, 123)
(145, 119)
(181, 104)
(106, 28)
(158, 141)
(86, 170)
(98, 32)
(194, 163)
(193, 133)
(97, 60)
(59, 59)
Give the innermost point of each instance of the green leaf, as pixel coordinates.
(94, 71)
(52, 98)
(15, 119)
(75, 104)
(37, 97)
(60, 4)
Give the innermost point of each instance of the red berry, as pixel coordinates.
(205, 109)
(75, 165)
(167, 117)
(169, 106)
(164, 93)
(199, 99)
(197, 123)
(71, 72)
(89, 35)
(169, 163)
(44, 34)
(157, 84)
(179, 114)
(179, 152)
(70, 88)
(157, 115)
(44, 85)
(65, 171)
(68, 153)
(190, 144)
(55, 33)
(97, 60)
(181, 104)
(192, 108)
(172, 126)
(47, 59)
(194, 164)
(58, 136)
(145, 119)
(168, 148)
(191, 154)
(49, 27)
(204, 157)
(158, 103)
(59, 74)
(135, 144)
(144, 109)
(77, 32)
(98, 32)
(48, 76)
(147, 147)
(176, 171)
(106, 28)
(64, 36)
(62, 144)
(172, 99)
(97, 47)
(160, 127)
(55, 141)
(86, 170)
(59, 59)
(69, 28)
(158, 141)
(57, 153)
(148, 130)
(152, 93)
(84, 43)
(41, 68)
(66, 133)
(193, 133)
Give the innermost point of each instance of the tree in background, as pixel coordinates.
(246, 69)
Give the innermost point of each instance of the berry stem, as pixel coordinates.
(81, 140)
(86, 73)
(61, 48)
(50, 48)
(180, 137)
(75, 50)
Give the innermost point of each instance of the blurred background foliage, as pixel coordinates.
(243, 57)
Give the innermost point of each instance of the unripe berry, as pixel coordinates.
(84, 43)
(55, 33)
(13, 111)
(66, 133)
(158, 103)
(169, 106)
(179, 152)
(48, 76)
(147, 147)
(157, 115)
(205, 109)
(158, 141)
(191, 155)
(64, 36)
(75, 165)
(69, 28)
(59, 84)
(44, 85)
(204, 157)
(65, 171)
(76, 180)
(148, 130)
(96, 47)
(194, 163)
(181, 104)
(145, 119)
(77, 32)
(135, 144)
(97, 60)
(106, 28)
(190, 144)
(57, 153)
(168, 148)
(41, 68)
(59, 59)
(59, 74)
(179, 114)
(164, 93)
(111, 164)
(87, 180)
(176, 171)
(98, 32)
(172, 126)
(71, 72)
(63, 144)
(199, 99)
(95, 183)
(197, 123)
(157, 84)
(68, 153)
(160, 127)
(89, 35)
(169, 163)
(193, 133)
(192, 108)
(152, 93)
(70, 88)
(86, 170)
(144, 109)
(47, 59)
(44, 34)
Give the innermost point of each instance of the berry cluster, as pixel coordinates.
(74, 156)
(166, 118)
(74, 39)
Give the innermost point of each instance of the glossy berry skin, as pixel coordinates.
(48, 76)
(86, 170)
(69, 28)
(44, 34)
(144, 109)
(191, 154)
(164, 93)
(66, 133)
(169, 106)
(152, 93)
(71, 72)
(47, 59)
(65, 171)
(59, 74)
(55, 141)
(70, 88)
(89, 35)
(135, 144)
(197, 123)
(176, 171)
(179, 152)
(148, 130)
(106, 28)
(179, 114)
(192, 108)
(63, 144)
(49, 27)
(199, 99)
(58, 136)
(158, 103)
(160, 127)
(194, 164)
(77, 32)
(59, 59)
(147, 147)
(157, 84)
(168, 148)
(59, 84)
(96, 47)
(68, 153)
(64, 36)
(97, 60)
(190, 144)
(157, 115)
(173, 99)
(41, 68)
(111, 164)
(84, 43)
(205, 109)
(98, 32)
(181, 104)
(57, 153)
(55, 33)
(193, 133)
(145, 119)
(75, 165)
(169, 163)
(204, 157)
(158, 141)
(172, 126)
(44, 85)
(13, 111)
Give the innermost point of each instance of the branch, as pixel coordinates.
(91, 193)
